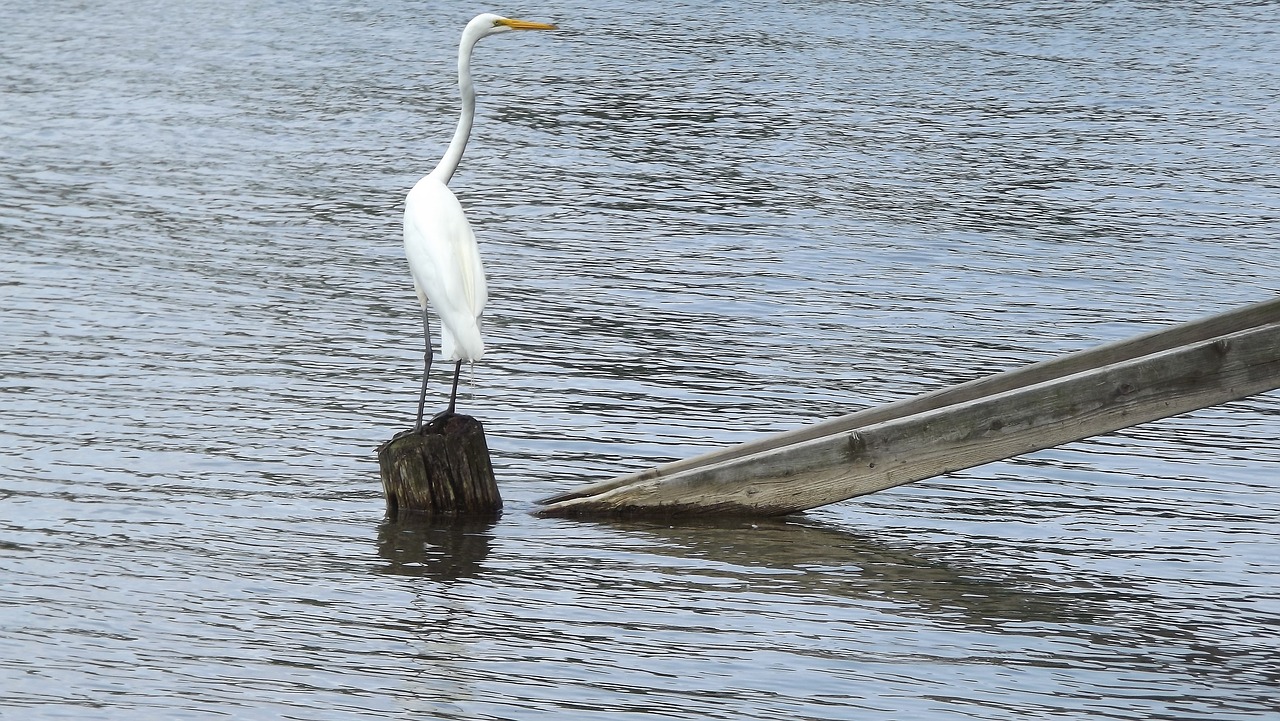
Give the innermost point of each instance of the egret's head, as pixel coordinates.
(490, 24)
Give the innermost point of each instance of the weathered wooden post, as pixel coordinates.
(443, 470)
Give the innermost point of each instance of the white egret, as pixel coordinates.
(442, 251)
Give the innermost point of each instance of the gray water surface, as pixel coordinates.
(701, 224)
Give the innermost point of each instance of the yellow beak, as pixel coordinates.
(525, 24)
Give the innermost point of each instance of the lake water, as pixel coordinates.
(702, 223)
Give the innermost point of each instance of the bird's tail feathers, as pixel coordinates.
(461, 341)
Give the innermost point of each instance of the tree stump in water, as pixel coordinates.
(442, 470)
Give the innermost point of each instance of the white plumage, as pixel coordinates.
(438, 241)
(445, 262)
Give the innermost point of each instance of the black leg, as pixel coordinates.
(426, 371)
(453, 395)
(448, 413)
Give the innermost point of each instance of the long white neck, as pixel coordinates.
(453, 156)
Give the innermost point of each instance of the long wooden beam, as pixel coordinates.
(1249, 316)
(1172, 371)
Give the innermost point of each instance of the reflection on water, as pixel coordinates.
(822, 559)
(1107, 611)
(788, 603)
(444, 550)
(786, 212)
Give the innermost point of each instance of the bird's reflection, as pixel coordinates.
(444, 549)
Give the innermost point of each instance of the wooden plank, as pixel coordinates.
(908, 448)
(1250, 316)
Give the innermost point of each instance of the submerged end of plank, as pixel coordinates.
(622, 508)
(599, 487)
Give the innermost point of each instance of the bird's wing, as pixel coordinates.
(445, 262)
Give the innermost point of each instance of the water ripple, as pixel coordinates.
(701, 224)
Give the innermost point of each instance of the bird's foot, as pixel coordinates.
(438, 420)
